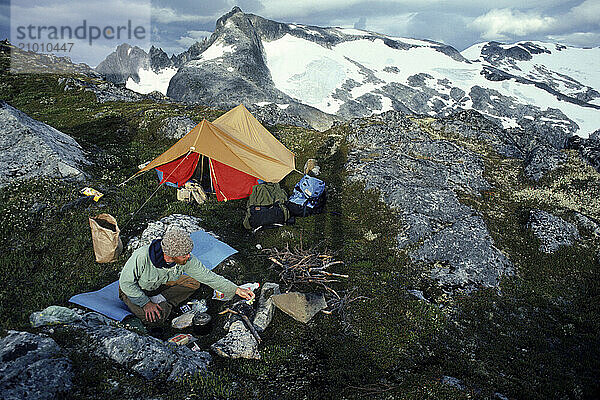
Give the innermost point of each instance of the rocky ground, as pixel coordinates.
(35, 367)
(471, 253)
(423, 175)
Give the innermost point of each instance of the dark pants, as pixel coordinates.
(175, 292)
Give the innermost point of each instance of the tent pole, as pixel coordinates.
(211, 172)
(201, 169)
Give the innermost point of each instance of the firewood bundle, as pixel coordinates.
(301, 269)
(304, 266)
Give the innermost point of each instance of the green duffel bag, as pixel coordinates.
(266, 206)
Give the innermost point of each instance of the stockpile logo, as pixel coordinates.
(85, 32)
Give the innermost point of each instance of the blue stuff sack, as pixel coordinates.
(309, 197)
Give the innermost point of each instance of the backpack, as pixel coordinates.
(190, 192)
(309, 197)
(266, 207)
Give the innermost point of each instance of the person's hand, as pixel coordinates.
(246, 294)
(152, 311)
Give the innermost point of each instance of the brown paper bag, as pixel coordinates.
(105, 238)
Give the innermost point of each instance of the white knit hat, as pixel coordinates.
(176, 243)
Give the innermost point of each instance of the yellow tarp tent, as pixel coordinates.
(237, 140)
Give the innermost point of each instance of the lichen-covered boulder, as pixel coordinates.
(31, 367)
(146, 355)
(467, 255)
(552, 231)
(423, 176)
(176, 127)
(239, 341)
(542, 160)
(32, 149)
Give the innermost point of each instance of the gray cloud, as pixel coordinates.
(361, 23)
(442, 27)
(460, 23)
(194, 7)
(4, 19)
(251, 6)
(577, 25)
(578, 39)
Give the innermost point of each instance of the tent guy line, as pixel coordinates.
(155, 191)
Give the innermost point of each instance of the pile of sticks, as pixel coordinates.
(301, 268)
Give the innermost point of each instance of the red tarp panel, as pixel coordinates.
(230, 183)
(180, 170)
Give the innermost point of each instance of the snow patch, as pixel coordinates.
(473, 52)
(577, 63)
(311, 78)
(332, 105)
(314, 33)
(508, 123)
(151, 81)
(411, 41)
(363, 89)
(386, 105)
(216, 50)
(353, 32)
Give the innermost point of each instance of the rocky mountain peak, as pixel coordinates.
(235, 26)
(124, 63)
(494, 52)
(127, 52)
(127, 61)
(226, 79)
(123, 47)
(159, 59)
(221, 21)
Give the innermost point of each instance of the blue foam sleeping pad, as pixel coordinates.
(106, 301)
(209, 250)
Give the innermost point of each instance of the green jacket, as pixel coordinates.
(140, 274)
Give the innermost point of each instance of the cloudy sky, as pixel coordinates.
(176, 24)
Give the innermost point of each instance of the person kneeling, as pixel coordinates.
(160, 276)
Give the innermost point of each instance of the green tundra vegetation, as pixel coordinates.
(534, 337)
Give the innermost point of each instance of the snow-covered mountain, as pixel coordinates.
(139, 71)
(572, 71)
(547, 75)
(352, 73)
